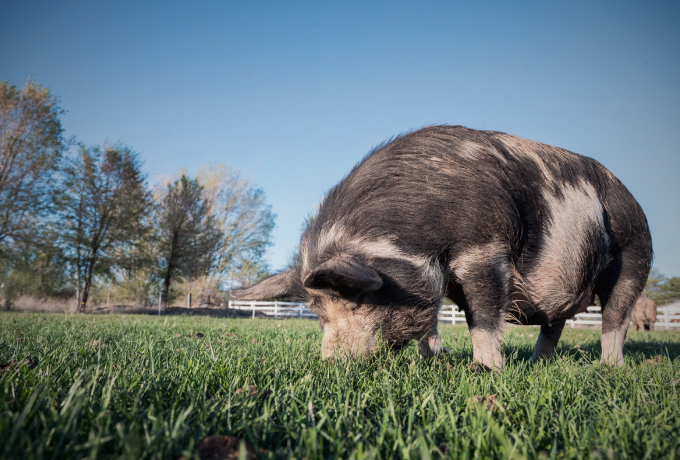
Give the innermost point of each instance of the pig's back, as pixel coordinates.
(446, 187)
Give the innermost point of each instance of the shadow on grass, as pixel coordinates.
(639, 346)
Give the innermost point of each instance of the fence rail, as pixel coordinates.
(276, 309)
(667, 317)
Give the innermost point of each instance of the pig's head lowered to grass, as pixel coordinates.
(507, 228)
(360, 299)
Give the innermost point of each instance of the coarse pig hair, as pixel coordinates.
(508, 228)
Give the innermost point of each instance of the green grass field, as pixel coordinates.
(87, 386)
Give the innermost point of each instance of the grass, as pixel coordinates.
(124, 386)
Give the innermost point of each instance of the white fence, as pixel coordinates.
(451, 314)
(667, 317)
(593, 317)
(276, 309)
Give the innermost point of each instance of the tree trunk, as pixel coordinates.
(171, 268)
(166, 286)
(88, 284)
(86, 294)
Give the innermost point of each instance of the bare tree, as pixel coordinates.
(248, 273)
(188, 231)
(103, 201)
(246, 222)
(31, 147)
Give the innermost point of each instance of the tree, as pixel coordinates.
(188, 231)
(660, 289)
(34, 267)
(669, 291)
(248, 273)
(31, 148)
(137, 273)
(246, 222)
(654, 282)
(103, 200)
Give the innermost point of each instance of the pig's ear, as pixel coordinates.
(345, 274)
(274, 287)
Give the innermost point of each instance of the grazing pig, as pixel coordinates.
(644, 314)
(507, 228)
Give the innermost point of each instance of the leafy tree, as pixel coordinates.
(669, 291)
(660, 289)
(31, 148)
(654, 282)
(246, 222)
(34, 267)
(189, 234)
(137, 273)
(103, 201)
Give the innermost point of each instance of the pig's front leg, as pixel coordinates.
(486, 349)
(547, 341)
(483, 275)
(431, 346)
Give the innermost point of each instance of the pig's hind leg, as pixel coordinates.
(618, 288)
(547, 340)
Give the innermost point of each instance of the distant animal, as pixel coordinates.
(507, 228)
(644, 314)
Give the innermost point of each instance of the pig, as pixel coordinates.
(644, 314)
(508, 228)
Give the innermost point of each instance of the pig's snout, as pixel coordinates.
(337, 344)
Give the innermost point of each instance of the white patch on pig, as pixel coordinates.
(370, 249)
(561, 258)
(328, 236)
(494, 254)
(476, 151)
(486, 348)
(612, 345)
(384, 248)
(529, 149)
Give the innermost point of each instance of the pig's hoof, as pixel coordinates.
(479, 368)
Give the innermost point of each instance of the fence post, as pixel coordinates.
(276, 309)
(453, 315)
(300, 313)
(665, 317)
(252, 305)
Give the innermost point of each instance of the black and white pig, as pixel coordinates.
(509, 229)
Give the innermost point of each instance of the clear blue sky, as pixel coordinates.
(295, 93)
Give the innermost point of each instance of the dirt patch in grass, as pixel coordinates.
(30, 362)
(223, 448)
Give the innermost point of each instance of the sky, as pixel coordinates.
(293, 94)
